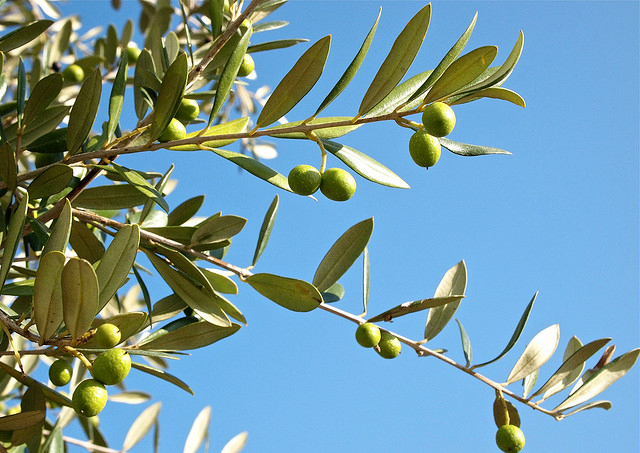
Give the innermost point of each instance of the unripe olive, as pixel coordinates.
(438, 119)
(60, 372)
(89, 398)
(174, 131)
(304, 179)
(133, 53)
(337, 184)
(368, 335)
(73, 73)
(510, 439)
(188, 110)
(389, 346)
(112, 366)
(424, 149)
(247, 66)
(107, 335)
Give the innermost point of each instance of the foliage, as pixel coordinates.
(78, 228)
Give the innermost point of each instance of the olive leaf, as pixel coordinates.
(293, 294)
(85, 243)
(198, 432)
(113, 196)
(43, 93)
(116, 100)
(397, 63)
(236, 444)
(185, 211)
(169, 96)
(466, 344)
(12, 239)
(606, 405)
(231, 127)
(60, 231)
(399, 96)
(162, 374)
(329, 132)
(414, 307)
(342, 254)
(218, 229)
(79, 296)
(23, 35)
(51, 181)
(265, 229)
(538, 351)
(8, 168)
(47, 295)
(296, 83)
(84, 111)
(141, 426)
(453, 284)
(135, 179)
(492, 92)
(465, 149)
(366, 280)
(193, 335)
(276, 44)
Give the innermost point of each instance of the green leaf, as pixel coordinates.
(600, 380)
(161, 374)
(12, 239)
(199, 431)
(84, 111)
(85, 243)
(293, 294)
(366, 281)
(8, 168)
(397, 63)
(343, 254)
(606, 405)
(201, 301)
(399, 96)
(141, 426)
(236, 444)
(114, 196)
(516, 333)
(566, 374)
(221, 283)
(351, 70)
(465, 149)
(50, 394)
(113, 269)
(466, 344)
(23, 35)
(51, 142)
(42, 124)
(231, 127)
(414, 306)
(79, 296)
(228, 76)
(504, 412)
(60, 231)
(144, 79)
(536, 354)
(47, 295)
(277, 44)
(170, 95)
(218, 229)
(296, 83)
(43, 93)
(454, 283)
(185, 211)
(446, 61)
(461, 72)
(265, 229)
(492, 92)
(135, 179)
(21, 420)
(21, 91)
(528, 382)
(323, 133)
(116, 100)
(334, 293)
(51, 181)
(365, 166)
(193, 335)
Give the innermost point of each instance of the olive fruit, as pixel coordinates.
(304, 179)
(424, 149)
(60, 372)
(438, 119)
(368, 335)
(389, 346)
(247, 66)
(73, 73)
(510, 439)
(174, 131)
(337, 184)
(188, 110)
(107, 335)
(133, 53)
(89, 398)
(112, 366)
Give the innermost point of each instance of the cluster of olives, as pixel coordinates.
(368, 335)
(438, 120)
(74, 73)
(335, 183)
(176, 130)
(109, 368)
(510, 438)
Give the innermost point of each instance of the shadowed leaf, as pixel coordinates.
(265, 229)
(79, 296)
(293, 294)
(23, 35)
(84, 111)
(60, 231)
(47, 295)
(170, 95)
(51, 181)
(466, 344)
(12, 238)
(43, 93)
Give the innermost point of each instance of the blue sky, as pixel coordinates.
(560, 216)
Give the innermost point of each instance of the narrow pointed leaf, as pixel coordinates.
(114, 196)
(342, 254)
(138, 181)
(199, 431)
(161, 374)
(528, 382)
(231, 127)
(397, 63)
(51, 181)
(293, 294)
(118, 259)
(446, 61)
(414, 307)
(265, 229)
(324, 133)
(116, 100)
(85, 243)
(236, 444)
(366, 281)
(601, 379)
(516, 334)
(21, 420)
(254, 167)
(185, 211)
(21, 91)
(606, 405)
(536, 354)
(296, 83)
(84, 111)
(60, 231)
(399, 96)
(565, 374)
(43, 93)
(465, 149)
(8, 168)
(351, 70)
(220, 281)
(141, 426)
(466, 344)
(365, 166)
(454, 283)
(194, 335)
(23, 35)
(170, 95)
(42, 124)
(461, 72)
(14, 234)
(47, 294)
(218, 229)
(492, 92)
(277, 44)
(79, 296)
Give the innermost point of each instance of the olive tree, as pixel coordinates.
(80, 230)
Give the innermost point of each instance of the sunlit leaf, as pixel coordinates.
(528, 382)
(23, 35)
(296, 83)
(130, 397)
(606, 405)
(116, 100)
(193, 335)
(536, 354)
(414, 307)
(79, 296)
(141, 426)
(231, 127)
(323, 133)
(492, 92)
(47, 294)
(12, 239)
(138, 181)
(170, 95)
(84, 111)
(399, 96)
(218, 229)
(395, 66)
(60, 231)
(454, 283)
(254, 167)
(199, 431)
(185, 210)
(293, 294)
(342, 254)
(265, 229)
(466, 344)
(236, 444)
(85, 243)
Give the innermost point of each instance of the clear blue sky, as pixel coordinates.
(560, 216)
